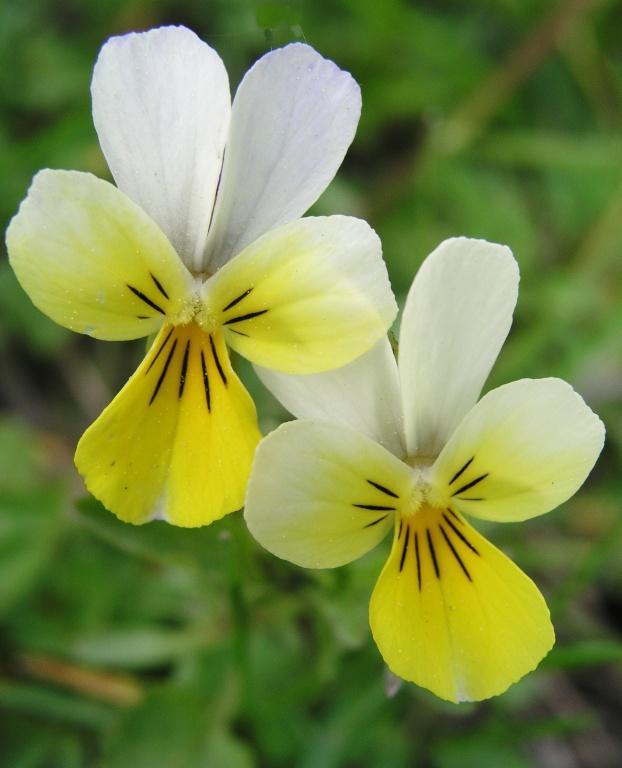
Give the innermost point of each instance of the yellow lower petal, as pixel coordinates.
(453, 614)
(178, 440)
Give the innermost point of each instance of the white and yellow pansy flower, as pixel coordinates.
(406, 447)
(202, 244)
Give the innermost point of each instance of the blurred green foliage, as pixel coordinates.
(127, 647)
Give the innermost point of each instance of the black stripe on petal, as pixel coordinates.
(405, 547)
(161, 347)
(146, 299)
(473, 483)
(237, 299)
(383, 489)
(418, 560)
(454, 552)
(221, 372)
(164, 370)
(432, 553)
(159, 286)
(184, 370)
(208, 397)
(459, 534)
(241, 318)
(461, 470)
(375, 507)
(375, 522)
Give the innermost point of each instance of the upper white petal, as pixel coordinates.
(457, 316)
(363, 395)
(161, 109)
(294, 116)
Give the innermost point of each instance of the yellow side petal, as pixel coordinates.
(322, 494)
(178, 440)
(524, 449)
(306, 297)
(93, 261)
(452, 613)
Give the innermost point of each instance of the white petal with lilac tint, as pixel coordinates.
(363, 395)
(457, 316)
(293, 119)
(307, 297)
(524, 449)
(321, 495)
(93, 261)
(161, 109)
(452, 613)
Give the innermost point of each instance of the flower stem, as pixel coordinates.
(239, 617)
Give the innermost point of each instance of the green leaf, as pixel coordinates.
(158, 541)
(20, 318)
(140, 647)
(30, 522)
(225, 750)
(38, 701)
(20, 456)
(585, 653)
(168, 729)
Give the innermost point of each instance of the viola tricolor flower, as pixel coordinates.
(407, 447)
(202, 244)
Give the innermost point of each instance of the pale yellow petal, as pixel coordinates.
(524, 449)
(321, 494)
(92, 260)
(177, 442)
(306, 297)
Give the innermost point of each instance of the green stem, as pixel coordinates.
(240, 619)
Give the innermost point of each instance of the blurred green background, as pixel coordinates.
(126, 647)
